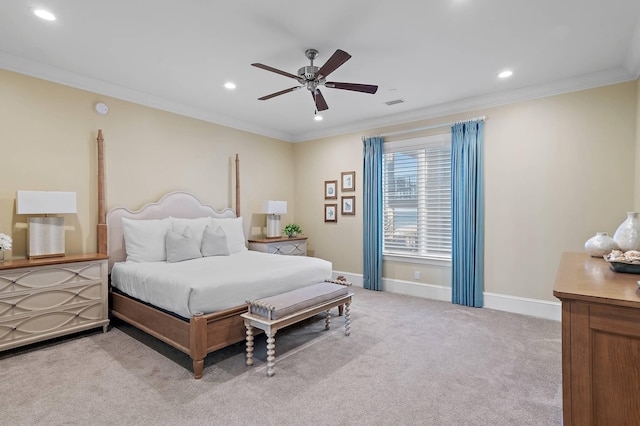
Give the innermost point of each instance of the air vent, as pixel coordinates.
(395, 102)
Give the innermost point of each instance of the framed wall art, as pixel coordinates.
(330, 189)
(348, 181)
(349, 205)
(330, 212)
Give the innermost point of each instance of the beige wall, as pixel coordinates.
(48, 132)
(557, 170)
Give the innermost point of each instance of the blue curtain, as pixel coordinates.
(372, 214)
(467, 213)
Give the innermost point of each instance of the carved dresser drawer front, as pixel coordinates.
(26, 279)
(34, 326)
(19, 303)
(283, 246)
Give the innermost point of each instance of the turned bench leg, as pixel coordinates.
(249, 345)
(347, 318)
(271, 353)
(327, 321)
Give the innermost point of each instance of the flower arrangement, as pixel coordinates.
(292, 230)
(5, 242)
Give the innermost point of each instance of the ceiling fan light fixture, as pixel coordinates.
(318, 117)
(230, 85)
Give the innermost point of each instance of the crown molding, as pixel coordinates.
(631, 71)
(587, 81)
(79, 81)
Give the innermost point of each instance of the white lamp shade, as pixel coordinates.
(274, 207)
(45, 202)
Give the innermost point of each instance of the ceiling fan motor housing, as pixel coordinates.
(308, 72)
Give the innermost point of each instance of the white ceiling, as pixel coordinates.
(439, 56)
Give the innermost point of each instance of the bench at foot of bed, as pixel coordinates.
(273, 313)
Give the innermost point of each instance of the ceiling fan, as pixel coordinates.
(312, 77)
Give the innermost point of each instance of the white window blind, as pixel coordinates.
(416, 197)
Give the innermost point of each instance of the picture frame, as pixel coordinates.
(348, 181)
(348, 205)
(330, 189)
(330, 212)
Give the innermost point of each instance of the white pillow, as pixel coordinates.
(214, 242)
(234, 231)
(197, 226)
(144, 239)
(182, 246)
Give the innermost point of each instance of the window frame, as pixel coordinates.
(403, 146)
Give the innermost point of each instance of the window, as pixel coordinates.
(416, 198)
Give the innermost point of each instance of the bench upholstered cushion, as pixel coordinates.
(297, 300)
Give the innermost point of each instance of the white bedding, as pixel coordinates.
(215, 283)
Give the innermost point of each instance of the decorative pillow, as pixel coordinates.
(214, 242)
(144, 239)
(197, 226)
(182, 246)
(234, 232)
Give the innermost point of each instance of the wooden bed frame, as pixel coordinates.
(201, 334)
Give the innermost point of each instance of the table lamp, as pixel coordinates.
(45, 233)
(274, 209)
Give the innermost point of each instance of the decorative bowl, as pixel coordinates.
(625, 266)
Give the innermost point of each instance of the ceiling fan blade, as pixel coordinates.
(282, 92)
(337, 59)
(321, 104)
(365, 88)
(277, 71)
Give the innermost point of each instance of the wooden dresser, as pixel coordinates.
(45, 298)
(600, 342)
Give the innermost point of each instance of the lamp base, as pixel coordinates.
(273, 226)
(46, 237)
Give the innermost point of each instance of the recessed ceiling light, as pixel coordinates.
(229, 85)
(505, 74)
(44, 14)
(318, 118)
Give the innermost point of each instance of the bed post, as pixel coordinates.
(198, 343)
(237, 186)
(102, 217)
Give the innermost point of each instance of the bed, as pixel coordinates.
(203, 318)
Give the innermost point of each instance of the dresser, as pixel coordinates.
(50, 297)
(600, 342)
(296, 246)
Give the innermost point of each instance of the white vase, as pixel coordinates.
(628, 233)
(1, 255)
(600, 244)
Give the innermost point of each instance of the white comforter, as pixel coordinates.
(214, 283)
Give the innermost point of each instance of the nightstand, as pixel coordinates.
(49, 297)
(296, 246)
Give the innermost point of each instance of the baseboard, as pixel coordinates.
(524, 306)
(499, 302)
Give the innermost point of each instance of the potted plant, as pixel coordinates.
(292, 230)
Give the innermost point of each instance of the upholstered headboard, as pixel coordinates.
(175, 204)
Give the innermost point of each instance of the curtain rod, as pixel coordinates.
(436, 126)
